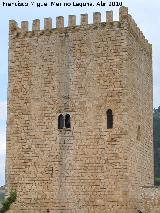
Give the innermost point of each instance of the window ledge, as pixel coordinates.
(64, 129)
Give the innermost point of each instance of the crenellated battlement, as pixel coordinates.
(14, 29)
(13, 26)
(71, 21)
(135, 30)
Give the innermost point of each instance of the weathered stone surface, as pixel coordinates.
(82, 71)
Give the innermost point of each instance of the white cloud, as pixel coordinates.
(3, 116)
(2, 156)
(2, 143)
(2, 170)
(3, 111)
(156, 92)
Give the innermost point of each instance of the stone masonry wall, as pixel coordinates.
(140, 105)
(83, 71)
(151, 199)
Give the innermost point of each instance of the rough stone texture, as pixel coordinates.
(83, 71)
(140, 124)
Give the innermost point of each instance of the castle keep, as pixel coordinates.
(79, 128)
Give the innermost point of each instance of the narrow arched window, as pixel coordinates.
(109, 119)
(138, 133)
(60, 121)
(67, 121)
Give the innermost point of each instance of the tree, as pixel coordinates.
(8, 201)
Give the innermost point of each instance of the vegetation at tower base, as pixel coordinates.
(8, 201)
(156, 138)
(2, 194)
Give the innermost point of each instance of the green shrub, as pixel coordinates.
(8, 201)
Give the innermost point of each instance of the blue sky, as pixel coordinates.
(145, 12)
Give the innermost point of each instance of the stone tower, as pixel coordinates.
(79, 128)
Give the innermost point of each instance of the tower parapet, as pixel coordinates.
(123, 17)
